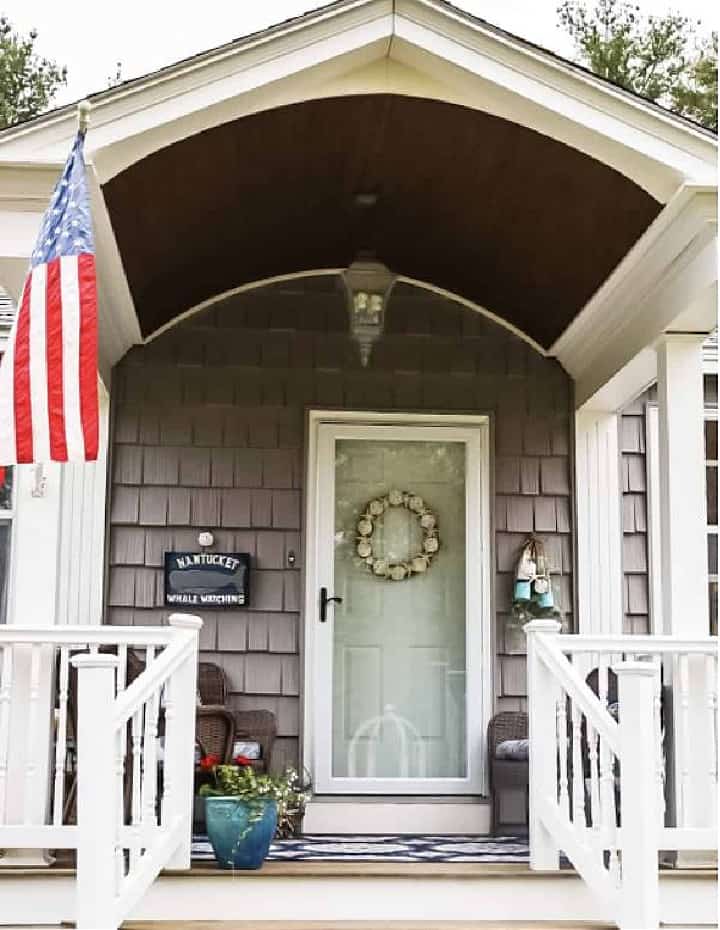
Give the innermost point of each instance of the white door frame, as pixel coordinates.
(474, 431)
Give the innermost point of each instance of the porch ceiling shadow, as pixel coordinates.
(487, 209)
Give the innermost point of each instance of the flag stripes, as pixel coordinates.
(48, 376)
(54, 366)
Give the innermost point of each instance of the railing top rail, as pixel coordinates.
(577, 689)
(153, 677)
(637, 644)
(89, 635)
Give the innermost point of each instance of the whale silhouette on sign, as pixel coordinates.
(205, 581)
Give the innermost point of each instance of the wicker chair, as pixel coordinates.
(506, 773)
(214, 731)
(259, 725)
(212, 685)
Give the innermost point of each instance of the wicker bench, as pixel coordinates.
(507, 774)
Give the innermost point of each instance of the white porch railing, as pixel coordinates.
(130, 789)
(599, 757)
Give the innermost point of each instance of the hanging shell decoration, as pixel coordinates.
(397, 570)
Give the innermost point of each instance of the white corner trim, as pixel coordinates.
(668, 268)
(654, 531)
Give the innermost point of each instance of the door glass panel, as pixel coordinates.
(399, 704)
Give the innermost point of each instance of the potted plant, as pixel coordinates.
(291, 806)
(242, 810)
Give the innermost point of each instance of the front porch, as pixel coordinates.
(551, 246)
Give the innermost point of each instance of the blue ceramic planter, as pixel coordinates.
(237, 843)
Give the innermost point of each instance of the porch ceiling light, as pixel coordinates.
(368, 284)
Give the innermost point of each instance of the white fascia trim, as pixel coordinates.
(118, 113)
(26, 186)
(556, 74)
(118, 324)
(151, 105)
(658, 278)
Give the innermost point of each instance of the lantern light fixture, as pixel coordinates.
(368, 284)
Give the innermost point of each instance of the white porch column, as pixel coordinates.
(31, 602)
(58, 545)
(683, 521)
(682, 485)
(82, 533)
(599, 527)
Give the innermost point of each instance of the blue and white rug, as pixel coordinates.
(390, 848)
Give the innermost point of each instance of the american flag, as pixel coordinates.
(48, 374)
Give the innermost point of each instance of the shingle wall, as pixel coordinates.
(636, 597)
(209, 432)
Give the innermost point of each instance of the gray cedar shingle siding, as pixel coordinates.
(208, 434)
(633, 465)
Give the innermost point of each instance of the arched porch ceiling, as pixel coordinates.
(479, 206)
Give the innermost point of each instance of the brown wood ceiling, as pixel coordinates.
(499, 214)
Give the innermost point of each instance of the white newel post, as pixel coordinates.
(180, 741)
(640, 905)
(543, 695)
(684, 563)
(97, 807)
(599, 525)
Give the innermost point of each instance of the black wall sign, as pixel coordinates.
(207, 579)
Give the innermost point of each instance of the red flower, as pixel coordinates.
(207, 763)
(242, 760)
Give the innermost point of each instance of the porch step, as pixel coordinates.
(364, 925)
(360, 896)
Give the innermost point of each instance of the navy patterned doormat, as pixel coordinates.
(390, 848)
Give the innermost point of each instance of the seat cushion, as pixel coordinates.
(516, 750)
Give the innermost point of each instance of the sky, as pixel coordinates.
(91, 36)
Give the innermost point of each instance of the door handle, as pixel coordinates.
(324, 601)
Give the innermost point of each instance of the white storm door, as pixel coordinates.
(400, 670)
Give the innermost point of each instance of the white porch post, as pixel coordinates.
(684, 561)
(82, 532)
(31, 602)
(599, 527)
(682, 485)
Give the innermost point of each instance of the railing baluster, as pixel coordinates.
(61, 737)
(32, 764)
(659, 740)
(167, 801)
(578, 773)
(593, 758)
(136, 729)
(562, 743)
(711, 692)
(684, 743)
(6, 679)
(121, 749)
(149, 754)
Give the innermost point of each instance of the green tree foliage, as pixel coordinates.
(658, 57)
(28, 82)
